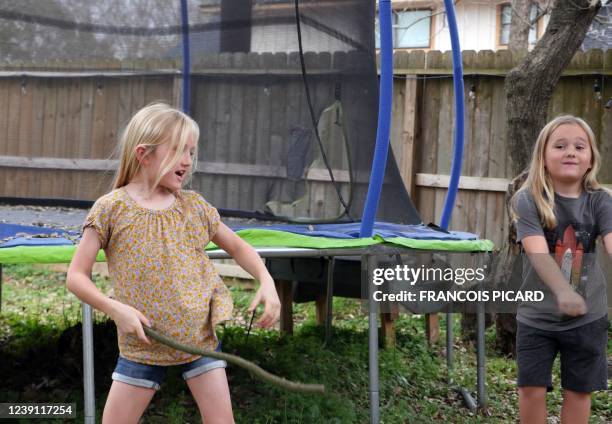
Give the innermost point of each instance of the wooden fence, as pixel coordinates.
(58, 127)
(423, 129)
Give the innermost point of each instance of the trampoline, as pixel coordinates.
(33, 244)
(295, 128)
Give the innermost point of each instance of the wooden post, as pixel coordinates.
(432, 328)
(321, 308)
(387, 323)
(285, 293)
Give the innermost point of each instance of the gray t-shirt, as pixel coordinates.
(579, 222)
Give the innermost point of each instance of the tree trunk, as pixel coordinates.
(508, 267)
(519, 25)
(529, 87)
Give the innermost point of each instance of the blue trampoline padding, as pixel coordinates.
(44, 241)
(10, 230)
(51, 236)
(59, 249)
(351, 231)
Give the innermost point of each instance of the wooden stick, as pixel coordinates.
(236, 360)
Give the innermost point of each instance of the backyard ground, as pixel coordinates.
(41, 361)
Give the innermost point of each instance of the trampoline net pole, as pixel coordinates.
(88, 366)
(480, 358)
(449, 346)
(367, 264)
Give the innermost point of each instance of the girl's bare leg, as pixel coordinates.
(126, 403)
(211, 392)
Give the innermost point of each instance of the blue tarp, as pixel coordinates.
(351, 231)
(54, 236)
(50, 236)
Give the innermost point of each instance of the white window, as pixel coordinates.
(411, 29)
(506, 17)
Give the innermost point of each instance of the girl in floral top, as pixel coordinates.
(153, 234)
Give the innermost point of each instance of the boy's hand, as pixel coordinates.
(269, 298)
(571, 303)
(129, 320)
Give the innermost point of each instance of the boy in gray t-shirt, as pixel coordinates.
(542, 330)
(561, 210)
(579, 222)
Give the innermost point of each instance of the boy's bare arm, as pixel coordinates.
(570, 302)
(607, 240)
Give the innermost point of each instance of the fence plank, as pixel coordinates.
(4, 102)
(222, 127)
(443, 156)
(235, 131)
(203, 107)
(60, 139)
(72, 132)
(409, 134)
(427, 151)
(25, 122)
(494, 229)
(604, 140)
(249, 133)
(99, 121)
(262, 137)
(480, 152)
(13, 117)
(37, 135)
(278, 101)
(111, 118)
(50, 93)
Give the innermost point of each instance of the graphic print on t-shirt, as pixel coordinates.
(568, 254)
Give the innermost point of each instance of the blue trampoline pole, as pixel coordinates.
(384, 120)
(186, 57)
(449, 202)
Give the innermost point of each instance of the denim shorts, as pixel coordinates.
(584, 363)
(152, 376)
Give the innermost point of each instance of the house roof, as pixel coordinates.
(599, 35)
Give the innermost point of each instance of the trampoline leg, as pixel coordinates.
(480, 359)
(329, 300)
(88, 366)
(449, 346)
(366, 262)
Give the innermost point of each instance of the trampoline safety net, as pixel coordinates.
(287, 107)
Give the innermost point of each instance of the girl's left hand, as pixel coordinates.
(267, 296)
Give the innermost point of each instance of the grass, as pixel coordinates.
(41, 356)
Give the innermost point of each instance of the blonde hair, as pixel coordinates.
(151, 126)
(538, 181)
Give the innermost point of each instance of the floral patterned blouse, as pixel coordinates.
(158, 265)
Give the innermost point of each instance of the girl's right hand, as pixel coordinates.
(571, 303)
(129, 320)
